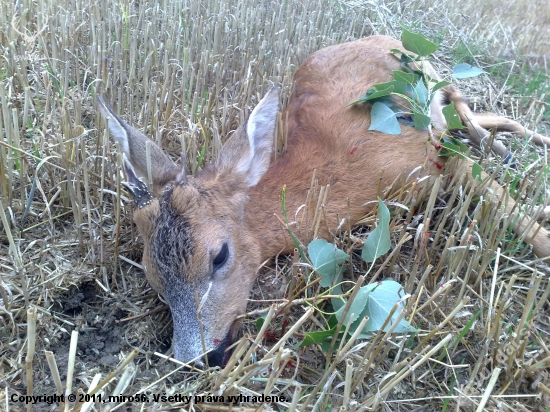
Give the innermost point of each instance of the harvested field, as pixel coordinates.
(76, 310)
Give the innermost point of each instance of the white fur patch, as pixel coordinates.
(260, 130)
(435, 110)
(119, 133)
(116, 129)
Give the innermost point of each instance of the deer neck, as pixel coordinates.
(264, 213)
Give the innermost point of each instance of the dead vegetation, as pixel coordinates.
(73, 298)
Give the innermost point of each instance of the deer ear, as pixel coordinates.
(117, 126)
(248, 152)
(140, 151)
(135, 185)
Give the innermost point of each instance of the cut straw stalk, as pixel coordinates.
(17, 260)
(343, 317)
(31, 342)
(276, 371)
(285, 355)
(111, 376)
(488, 390)
(407, 371)
(324, 390)
(55, 375)
(404, 238)
(201, 327)
(435, 330)
(146, 388)
(503, 303)
(240, 350)
(70, 367)
(341, 354)
(87, 405)
(527, 307)
(291, 331)
(122, 384)
(540, 365)
(544, 388)
(366, 364)
(229, 368)
(295, 399)
(347, 382)
(492, 294)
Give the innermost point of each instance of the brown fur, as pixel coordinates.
(199, 214)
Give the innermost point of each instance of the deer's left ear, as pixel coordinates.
(248, 152)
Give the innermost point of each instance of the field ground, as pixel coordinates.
(187, 73)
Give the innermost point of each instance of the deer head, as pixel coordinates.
(199, 251)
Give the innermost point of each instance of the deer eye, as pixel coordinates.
(221, 257)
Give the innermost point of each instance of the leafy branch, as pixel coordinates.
(418, 90)
(374, 301)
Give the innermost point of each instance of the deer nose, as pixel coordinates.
(215, 357)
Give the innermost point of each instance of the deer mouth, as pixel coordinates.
(220, 356)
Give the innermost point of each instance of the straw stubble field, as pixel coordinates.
(73, 297)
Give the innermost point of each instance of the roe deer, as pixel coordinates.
(206, 235)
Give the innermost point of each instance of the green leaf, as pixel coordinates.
(406, 120)
(409, 78)
(357, 307)
(337, 303)
(325, 346)
(378, 92)
(260, 322)
(476, 171)
(452, 117)
(406, 59)
(332, 321)
(439, 85)
(381, 90)
(295, 240)
(462, 147)
(388, 102)
(466, 329)
(374, 93)
(399, 87)
(421, 94)
(380, 301)
(417, 43)
(378, 241)
(449, 395)
(201, 156)
(451, 147)
(326, 259)
(316, 337)
(421, 121)
(383, 119)
(514, 184)
(465, 70)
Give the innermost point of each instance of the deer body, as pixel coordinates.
(325, 135)
(206, 235)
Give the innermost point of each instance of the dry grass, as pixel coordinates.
(75, 307)
(508, 28)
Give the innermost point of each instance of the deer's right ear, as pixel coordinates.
(140, 151)
(248, 152)
(116, 126)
